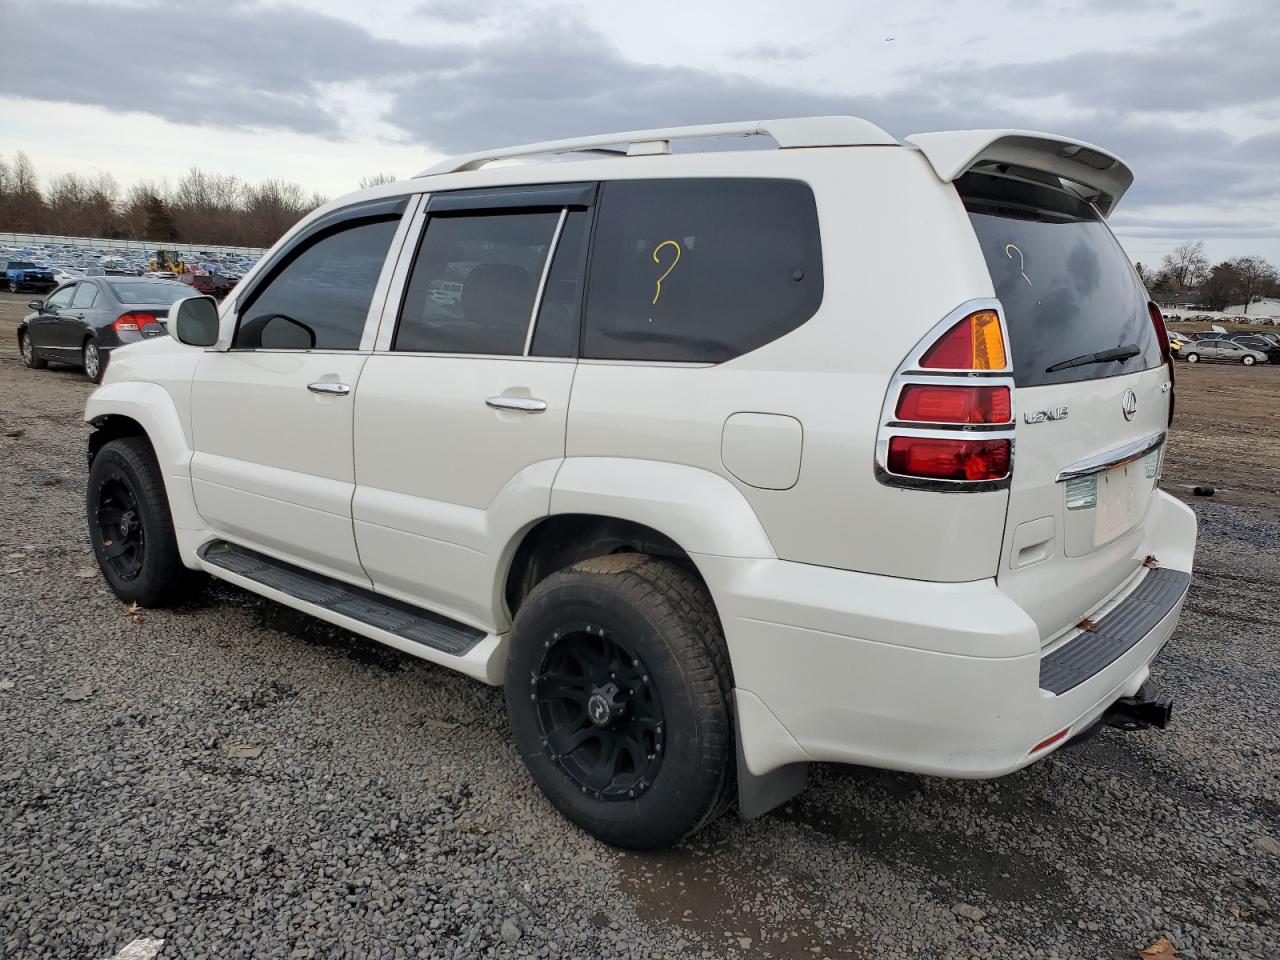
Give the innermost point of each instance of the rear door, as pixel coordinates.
(1092, 398)
(461, 414)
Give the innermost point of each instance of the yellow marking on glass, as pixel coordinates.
(675, 244)
(1009, 250)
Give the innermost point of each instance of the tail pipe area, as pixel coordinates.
(1146, 708)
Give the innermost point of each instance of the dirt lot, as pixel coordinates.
(387, 815)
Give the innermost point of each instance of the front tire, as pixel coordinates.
(91, 358)
(619, 696)
(1247, 360)
(1193, 358)
(28, 351)
(131, 529)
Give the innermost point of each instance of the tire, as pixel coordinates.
(652, 628)
(28, 351)
(131, 529)
(13, 286)
(1193, 358)
(1247, 360)
(93, 361)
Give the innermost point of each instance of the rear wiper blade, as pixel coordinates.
(1102, 356)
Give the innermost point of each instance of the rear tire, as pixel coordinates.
(131, 528)
(1248, 361)
(620, 699)
(92, 359)
(28, 351)
(1193, 358)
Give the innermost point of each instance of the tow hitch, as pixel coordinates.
(1147, 708)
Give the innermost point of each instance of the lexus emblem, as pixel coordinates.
(1129, 404)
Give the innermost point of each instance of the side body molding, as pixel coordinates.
(152, 406)
(701, 511)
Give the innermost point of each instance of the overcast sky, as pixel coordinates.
(324, 92)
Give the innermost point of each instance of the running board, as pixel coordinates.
(403, 620)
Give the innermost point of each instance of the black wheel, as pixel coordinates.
(28, 350)
(1193, 358)
(130, 526)
(13, 286)
(619, 695)
(92, 360)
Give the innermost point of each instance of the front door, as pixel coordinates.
(45, 328)
(272, 416)
(461, 415)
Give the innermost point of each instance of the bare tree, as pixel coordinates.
(377, 180)
(1186, 266)
(1256, 276)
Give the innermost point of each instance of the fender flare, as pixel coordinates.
(701, 511)
(152, 407)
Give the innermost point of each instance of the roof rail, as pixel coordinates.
(792, 132)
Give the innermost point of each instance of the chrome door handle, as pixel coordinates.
(524, 404)
(329, 387)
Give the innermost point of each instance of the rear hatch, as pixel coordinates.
(1092, 398)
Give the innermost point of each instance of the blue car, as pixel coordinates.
(24, 275)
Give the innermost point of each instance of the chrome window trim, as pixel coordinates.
(1117, 457)
(542, 282)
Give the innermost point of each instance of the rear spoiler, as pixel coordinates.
(1088, 170)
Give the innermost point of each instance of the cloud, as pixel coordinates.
(775, 52)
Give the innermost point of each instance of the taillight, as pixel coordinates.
(132, 322)
(945, 459)
(1166, 351)
(947, 422)
(975, 343)
(933, 403)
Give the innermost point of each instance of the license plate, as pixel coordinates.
(1123, 493)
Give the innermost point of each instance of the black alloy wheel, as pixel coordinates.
(599, 714)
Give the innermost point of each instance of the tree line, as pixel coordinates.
(1188, 272)
(201, 207)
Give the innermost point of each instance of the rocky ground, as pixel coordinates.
(241, 781)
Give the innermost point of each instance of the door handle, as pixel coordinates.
(523, 404)
(330, 388)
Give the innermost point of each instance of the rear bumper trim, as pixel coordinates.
(1115, 634)
(1113, 458)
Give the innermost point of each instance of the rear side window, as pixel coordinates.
(1067, 287)
(700, 270)
(474, 282)
(319, 298)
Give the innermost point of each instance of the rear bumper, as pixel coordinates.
(934, 678)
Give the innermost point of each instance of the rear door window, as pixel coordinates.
(700, 270)
(1067, 286)
(474, 282)
(86, 294)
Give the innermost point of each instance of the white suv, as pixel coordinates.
(724, 462)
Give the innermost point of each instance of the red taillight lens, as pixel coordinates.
(1166, 351)
(975, 343)
(930, 403)
(945, 459)
(132, 322)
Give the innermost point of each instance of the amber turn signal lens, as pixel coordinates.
(975, 343)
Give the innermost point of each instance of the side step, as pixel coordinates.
(402, 619)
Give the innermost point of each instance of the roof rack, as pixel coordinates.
(792, 132)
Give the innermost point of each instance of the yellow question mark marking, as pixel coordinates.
(1009, 250)
(676, 245)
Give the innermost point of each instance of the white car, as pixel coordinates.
(842, 450)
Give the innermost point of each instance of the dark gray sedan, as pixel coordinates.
(81, 322)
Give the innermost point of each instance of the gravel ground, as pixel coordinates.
(388, 816)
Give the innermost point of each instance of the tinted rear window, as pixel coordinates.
(1067, 286)
(700, 270)
(159, 292)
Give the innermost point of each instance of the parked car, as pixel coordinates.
(1226, 351)
(210, 284)
(1255, 341)
(701, 526)
(82, 322)
(22, 275)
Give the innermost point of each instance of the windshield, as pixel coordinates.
(160, 292)
(21, 265)
(1067, 287)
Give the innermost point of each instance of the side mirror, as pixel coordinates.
(35, 304)
(194, 321)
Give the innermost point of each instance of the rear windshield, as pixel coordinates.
(160, 292)
(21, 265)
(1067, 287)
